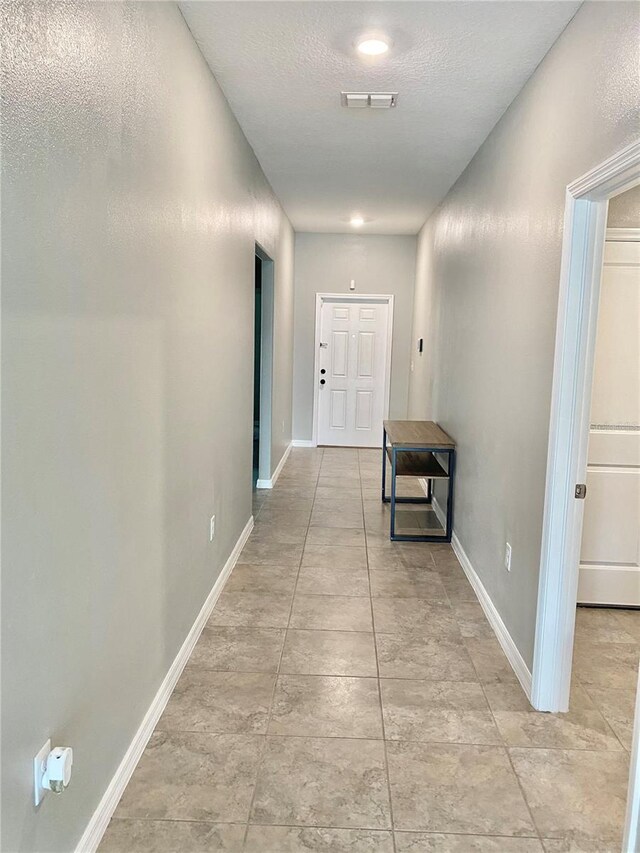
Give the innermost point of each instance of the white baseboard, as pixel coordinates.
(303, 442)
(269, 484)
(499, 628)
(96, 827)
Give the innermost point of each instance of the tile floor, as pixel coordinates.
(347, 694)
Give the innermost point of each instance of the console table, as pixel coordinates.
(418, 449)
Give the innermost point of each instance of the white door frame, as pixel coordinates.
(350, 297)
(585, 219)
(266, 368)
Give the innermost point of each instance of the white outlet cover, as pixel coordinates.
(39, 763)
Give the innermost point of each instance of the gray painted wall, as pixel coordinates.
(326, 263)
(130, 205)
(624, 210)
(487, 294)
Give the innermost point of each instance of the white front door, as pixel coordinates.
(610, 553)
(352, 371)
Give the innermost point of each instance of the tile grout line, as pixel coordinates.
(508, 755)
(375, 649)
(391, 740)
(522, 791)
(362, 828)
(303, 826)
(602, 714)
(277, 673)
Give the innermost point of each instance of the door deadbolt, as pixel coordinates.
(322, 381)
(323, 371)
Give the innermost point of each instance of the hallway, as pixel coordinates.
(189, 665)
(347, 693)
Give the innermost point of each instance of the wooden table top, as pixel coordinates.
(417, 434)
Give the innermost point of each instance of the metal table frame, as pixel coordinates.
(428, 499)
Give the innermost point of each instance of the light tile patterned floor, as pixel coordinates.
(348, 694)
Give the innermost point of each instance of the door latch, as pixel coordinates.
(323, 346)
(581, 491)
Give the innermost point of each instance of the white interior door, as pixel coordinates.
(610, 553)
(352, 371)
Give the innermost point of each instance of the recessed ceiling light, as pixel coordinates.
(373, 47)
(357, 221)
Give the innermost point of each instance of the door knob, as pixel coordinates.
(322, 381)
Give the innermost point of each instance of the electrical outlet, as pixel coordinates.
(507, 557)
(39, 767)
(212, 528)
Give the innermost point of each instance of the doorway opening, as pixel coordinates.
(352, 368)
(262, 369)
(257, 358)
(583, 293)
(609, 575)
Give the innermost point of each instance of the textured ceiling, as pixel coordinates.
(456, 65)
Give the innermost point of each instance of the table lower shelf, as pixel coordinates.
(418, 521)
(418, 464)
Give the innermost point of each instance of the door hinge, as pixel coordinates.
(323, 346)
(581, 491)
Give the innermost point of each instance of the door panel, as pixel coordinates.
(364, 410)
(339, 355)
(353, 352)
(338, 409)
(621, 445)
(611, 524)
(366, 348)
(610, 554)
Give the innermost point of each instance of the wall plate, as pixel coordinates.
(39, 763)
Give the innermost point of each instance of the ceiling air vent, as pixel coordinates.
(371, 100)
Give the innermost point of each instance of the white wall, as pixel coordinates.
(624, 210)
(487, 294)
(130, 206)
(326, 263)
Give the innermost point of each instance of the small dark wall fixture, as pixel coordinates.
(420, 343)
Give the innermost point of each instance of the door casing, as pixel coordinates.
(354, 298)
